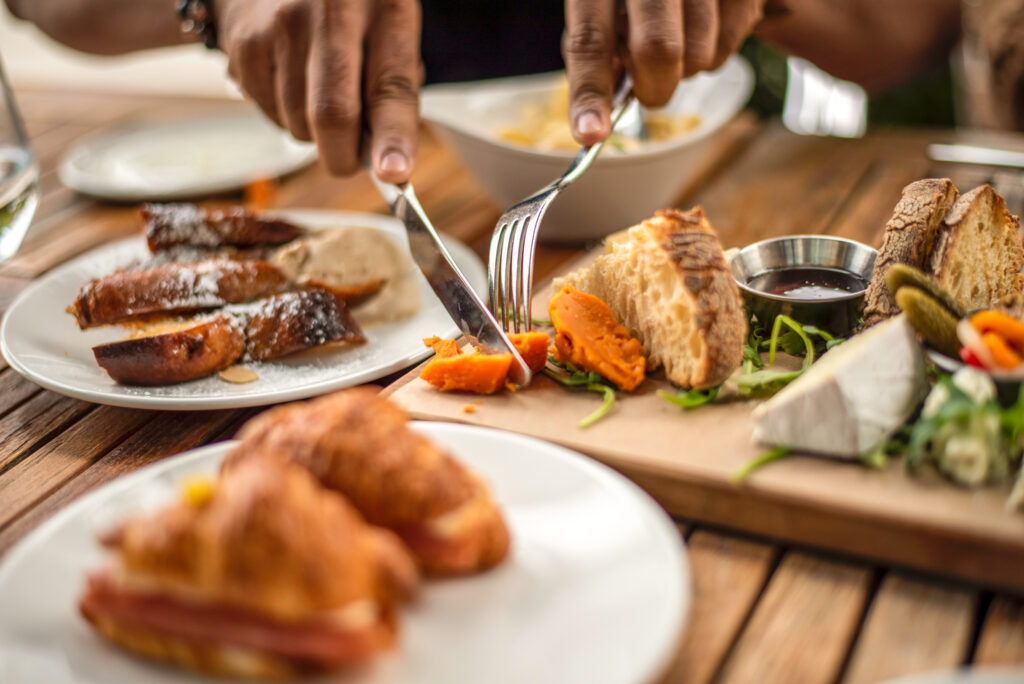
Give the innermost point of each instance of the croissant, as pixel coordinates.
(359, 444)
(266, 574)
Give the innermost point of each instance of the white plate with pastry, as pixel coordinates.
(45, 344)
(595, 587)
(164, 160)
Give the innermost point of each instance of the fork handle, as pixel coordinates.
(585, 157)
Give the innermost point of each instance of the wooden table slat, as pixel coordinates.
(1001, 641)
(728, 575)
(43, 416)
(804, 624)
(166, 435)
(35, 476)
(931, 623)
(14, 389)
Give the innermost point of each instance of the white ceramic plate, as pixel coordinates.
(42, 342)
(595, 590)
(161, 160)
(968, 675)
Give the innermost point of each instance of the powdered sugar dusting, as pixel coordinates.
(173, 224)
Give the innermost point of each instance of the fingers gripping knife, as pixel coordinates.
(450, 285)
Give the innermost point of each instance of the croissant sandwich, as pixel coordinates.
(359, 444)
(261, 574)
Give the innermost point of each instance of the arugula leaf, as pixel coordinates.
(765, 382)
(536, 322)
(770, 456)
(690, 399)
(792, 343)
(591, 382)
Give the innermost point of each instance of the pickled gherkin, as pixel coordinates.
(901, 275)
(930, 318)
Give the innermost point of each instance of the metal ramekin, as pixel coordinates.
(838, 315)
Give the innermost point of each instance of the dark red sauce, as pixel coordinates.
(807, 282)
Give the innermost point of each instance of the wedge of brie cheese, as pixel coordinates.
(852, 399)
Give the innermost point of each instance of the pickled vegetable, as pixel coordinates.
(902, 275)
(930, 318)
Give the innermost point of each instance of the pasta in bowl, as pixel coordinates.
(489, 125)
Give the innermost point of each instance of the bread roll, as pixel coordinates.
(908, 239)
(978, 255)
(667, 281)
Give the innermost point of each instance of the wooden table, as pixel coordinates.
(763, 611)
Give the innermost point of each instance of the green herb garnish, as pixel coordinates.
(590, 381)
(690, 399)
(535, 322)
(756, 380)
(770, 456)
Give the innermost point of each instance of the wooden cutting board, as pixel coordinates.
(686, 461)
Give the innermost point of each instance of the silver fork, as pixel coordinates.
(510, 267)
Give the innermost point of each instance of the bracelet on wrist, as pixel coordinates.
(197, 21)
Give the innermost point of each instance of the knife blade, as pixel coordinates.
(447, 280)
(975, 154)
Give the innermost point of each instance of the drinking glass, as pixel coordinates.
(19, 175)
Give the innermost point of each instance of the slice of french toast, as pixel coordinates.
(173, 288)
(177, 356)
(294, 321)
(168, 225)
(266, 329)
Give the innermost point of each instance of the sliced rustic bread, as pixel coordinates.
(908, 239)
(977, 256)
(667, 281)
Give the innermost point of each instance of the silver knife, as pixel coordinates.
(458, 296)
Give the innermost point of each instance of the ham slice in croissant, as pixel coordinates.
(360, 445)
(268, 575)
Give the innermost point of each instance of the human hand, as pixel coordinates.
(664, 40)
(318, 67)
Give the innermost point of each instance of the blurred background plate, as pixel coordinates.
(162, 160)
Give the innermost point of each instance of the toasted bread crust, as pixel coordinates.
(169, 225)
(173, 288)
(908, 239)
(697, 254)
(997, 282)
(173, 357)
(701, 342)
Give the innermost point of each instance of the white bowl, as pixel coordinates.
(620, 189)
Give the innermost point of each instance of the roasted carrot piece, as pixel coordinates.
(587, 335)
(442, 348)
(533, 346)
(475, 372)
